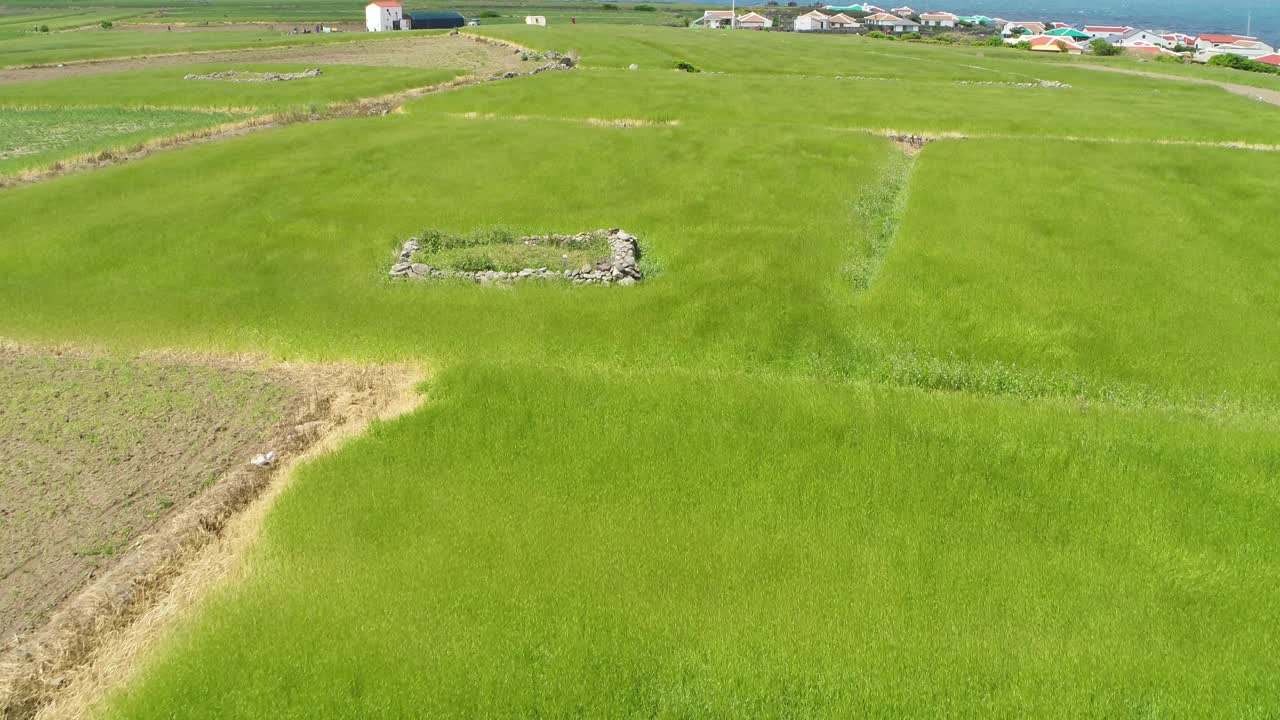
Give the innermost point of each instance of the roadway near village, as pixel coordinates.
(610, 369)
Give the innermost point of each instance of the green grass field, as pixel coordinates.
(35, 137)
(168, 88)
(48, 48)
(989, 431)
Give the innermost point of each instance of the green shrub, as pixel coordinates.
(1024, 45)
(1239, 62)
(44, 28)
(106, 24)
(912, 36)
(608, 6)
(473, 262)
(490, 14)
(644, 8)
(1103, 48)
(876, 34)
(686, 66)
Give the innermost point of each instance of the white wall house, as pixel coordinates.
(715, 19)
(1144, 38)
(753, 21)
(539, 20)
(884, 22)
(939, 19)
(1103, 32)
(1210, 41)
(811, 21)
(1251, 49)
(383, 15)
(1027, 28)
(840, 21)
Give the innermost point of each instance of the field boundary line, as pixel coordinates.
(930, 136)
(598, 122)
(881, 212)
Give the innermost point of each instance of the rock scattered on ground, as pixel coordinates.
(1037, 84)
(244, 76)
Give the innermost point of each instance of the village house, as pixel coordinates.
(939, 19)
(1272, 59)
(884, 22)
(1105, 32)
(753, 21)
(715, 19)
(383, 15)
(982, 20)
(903, 11)
(1179, 39)
(539, 20)
(840, 21)
(862, 9)
(1069, 33)
(1143, 38)
(1029, 28)
(812, 21)
(1052, 43)
(1209, 41)
(1251, 49)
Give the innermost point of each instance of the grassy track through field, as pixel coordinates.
(1026, 468)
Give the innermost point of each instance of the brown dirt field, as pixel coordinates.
(445, 51)
(1261, 94)
(114, 472)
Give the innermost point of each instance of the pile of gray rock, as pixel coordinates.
(554, 61)
(244, 76)
(1038, 84)
(620, 268)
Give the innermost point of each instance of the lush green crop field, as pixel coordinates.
(36, 137)
(46, 48)
(166, 87)
(985, 432)
(21, 25)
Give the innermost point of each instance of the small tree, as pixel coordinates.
(1102, 48)
(44, 28)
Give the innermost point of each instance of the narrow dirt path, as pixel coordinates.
(1261, 94)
